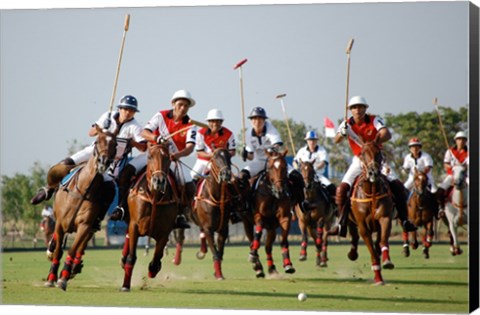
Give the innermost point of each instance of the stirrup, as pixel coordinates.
(181, 222)
(118, 214)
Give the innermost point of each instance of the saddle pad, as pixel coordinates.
(70, 175)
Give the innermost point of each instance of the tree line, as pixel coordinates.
(17, 190)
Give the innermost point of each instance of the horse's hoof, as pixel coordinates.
(302, 257)
(323, 264)
(125, 289)
(352, 255)
(200, 255)
(414, 245)
(458, 251)
(260, 274)
(379, 282)
(49, 284)
(49, 255)
(272, 270)
(426, 254)
(406, 251)
(289, 269)
(252, 258)
(388, 265)
(62, 284)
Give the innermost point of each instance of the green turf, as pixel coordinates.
(436, 285)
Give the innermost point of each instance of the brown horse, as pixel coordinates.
(77, 205)
(153, 205)
(272, 204)
(421, 211)
(315, 222)
(211, 211)
(372, 204)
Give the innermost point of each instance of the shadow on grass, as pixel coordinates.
(342, 298)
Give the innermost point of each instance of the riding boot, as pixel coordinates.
(54, 176)
(237, 203)
(440, 196)
(124, 182)
(107, 195)
(400, 199)
(246, 190)
(185, 207)
(343, 206)
(297, 185)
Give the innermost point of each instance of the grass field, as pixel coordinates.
(436, 285)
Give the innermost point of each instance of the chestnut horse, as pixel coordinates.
(212, 207)
(318, 219)
(272, 204)
(421, 211)
(77, 205)
(456, 207)
(153, 205)
(372, 206)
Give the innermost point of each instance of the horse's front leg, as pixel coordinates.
(353, 229)
(285, 228)
(218, 257)
(366, 235)
(253, 257)
(427, 239)
(322, 244)
(385, 230)
(453, 227)
(180, 239)
(269, 240)
(305, 233)
(55, 256)
(74, 257)
(155, 265)
(129, 255)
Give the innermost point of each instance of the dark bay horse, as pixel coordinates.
(272, 204)
(372, 205)
(211, 211)
(318, 219)
(153, 205)
(421, 211)
(77, 206)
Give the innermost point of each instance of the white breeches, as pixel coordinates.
(200, 168)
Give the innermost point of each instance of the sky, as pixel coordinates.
(58, 66)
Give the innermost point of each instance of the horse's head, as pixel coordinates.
(308, 173)
(459, 176)
(105, 149)
(276, 172)
(158, 164)
(371, 157)
(420, 181)
(221, 166)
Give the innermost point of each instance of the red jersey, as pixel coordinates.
(208, 142)
(363, 132)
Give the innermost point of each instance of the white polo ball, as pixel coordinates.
(302, 297)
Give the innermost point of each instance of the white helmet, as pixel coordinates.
(214, 114)
(461, 134)
(183, 94)
(357, 100)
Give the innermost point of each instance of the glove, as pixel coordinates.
(161, 139)
(343, 129)
(107, 123)
(244, 154)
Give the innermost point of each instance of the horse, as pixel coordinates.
(421, 211)
(372, 204)
(212, 207)
(318, 219)
(456, 207)
(47, 226)
(77, 205)
(272, 204)
(153, 204)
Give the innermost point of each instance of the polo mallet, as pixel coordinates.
(280, 97)
(435, 103)
(239, 66)
(125, 30)
(349, 48)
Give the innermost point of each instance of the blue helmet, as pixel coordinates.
(129, 101)
(311, 135)
(257, 112)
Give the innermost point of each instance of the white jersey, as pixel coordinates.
(411, 163)
(47, 212)
(258, 144)
(317, 157)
